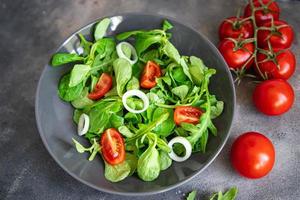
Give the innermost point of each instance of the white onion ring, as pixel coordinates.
(122, 55)
(136, 93)
(83, 124)
(187, 145)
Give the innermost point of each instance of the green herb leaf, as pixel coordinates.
(78, 74)
(181, 91)
(67, 93)
(164, 160)
(101, 27)
(185, 69)
(123, 72)
(166, 25)
(125, 131)
(82, 100)
(133, 84)
(144, 41)
(86, 45)
(197, 70)
(132, 160)
(165, 128)
(192, 195)
(171, 51)
(116, 173)
(64, 58)
(231, 194)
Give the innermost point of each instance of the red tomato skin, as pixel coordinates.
(227, 29)
(253, 155)
(102, 87)
(277, 42)
(236, 59)
(286, 61)
(273, 97)
(150, 72)
(187, 114)
(260, 16)
(112, 146)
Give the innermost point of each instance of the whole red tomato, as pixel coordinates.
(280, 64)
(265, 14)
(252, 155)
(234, 27)
(280, 36)
(237, 54)
(273, 97)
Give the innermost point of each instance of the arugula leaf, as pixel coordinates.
(192, 195)
(123, 73)
(101, 27)
(116, 173)
(86, 45)
(64, 58)
(78, 74)
(166, 25)
(67, 93)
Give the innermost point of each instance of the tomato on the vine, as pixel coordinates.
(236, 53)
(280, 36)
(273, 97)
(234, 27)
(253, 155)
(265, 14)
(280, 64)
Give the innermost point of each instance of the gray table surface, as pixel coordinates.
(29, 33)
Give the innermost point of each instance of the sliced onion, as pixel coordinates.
(83, 124)
(122, 55)
(136, 93)
(187, 145)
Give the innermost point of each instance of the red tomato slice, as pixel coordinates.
(252, 155)
(102, 87)
(187, 114)
(151, 71)
(112, 146)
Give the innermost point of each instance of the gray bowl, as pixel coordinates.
(55, 125)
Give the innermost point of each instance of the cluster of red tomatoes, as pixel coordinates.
(259, 43)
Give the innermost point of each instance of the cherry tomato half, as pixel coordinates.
(112, 146)
(265, 14)
(284, 69)
(102, 87)
(187, 114)
(280, 38)
(236, 57)
(273, 97)
(253, 155)
(150, 72)
(233, 27)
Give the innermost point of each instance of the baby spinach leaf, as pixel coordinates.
(192, 195)
(116, 173)
(101, 27)
(166, 25)
(164, 160)
(67, 93)
(166, 127)
(82, 100)
(123, 73)
(148, 166)
(171, 51)
(178, 74)
(132, 160)
(78, 74)
(185, 68)
(125, 131)
(181, 91)
(64, 58)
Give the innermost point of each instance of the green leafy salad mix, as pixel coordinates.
(139, 103)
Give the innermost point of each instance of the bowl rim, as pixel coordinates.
(168, 188)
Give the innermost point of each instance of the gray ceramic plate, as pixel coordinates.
(54, 117)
